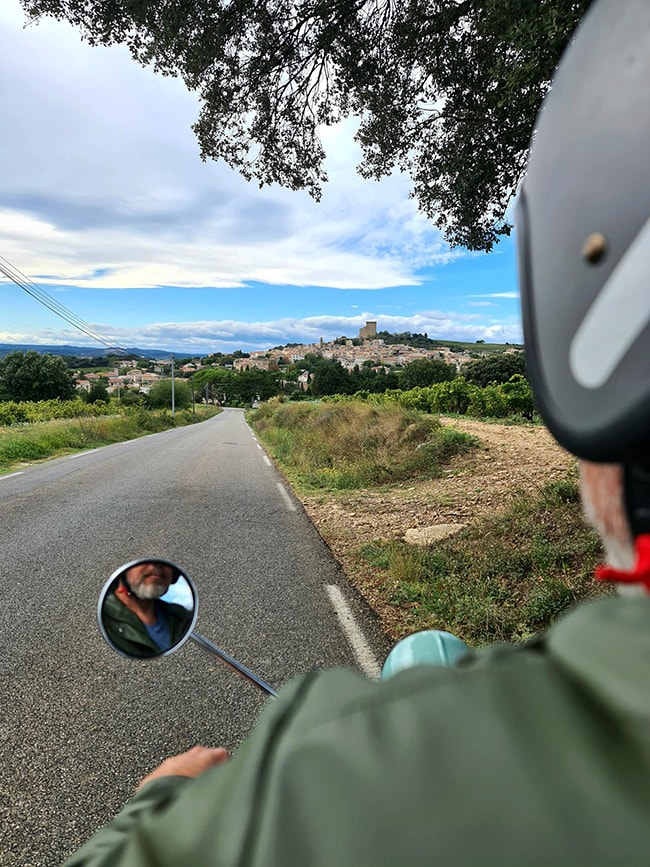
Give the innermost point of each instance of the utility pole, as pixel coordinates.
(173, 395)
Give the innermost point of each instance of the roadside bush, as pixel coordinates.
(131, 397)
(160, 395)
(47, 439)
(511, 400)
(519, 396)
(454, 396)
(98, 393)
(340, 444)
(488, 402)
(12, 413)
(31, 412)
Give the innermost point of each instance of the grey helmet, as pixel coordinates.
(583, 230)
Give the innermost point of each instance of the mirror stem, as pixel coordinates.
(232, 663)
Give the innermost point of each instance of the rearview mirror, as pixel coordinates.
(147, 608)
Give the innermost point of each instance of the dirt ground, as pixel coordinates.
(510, 458)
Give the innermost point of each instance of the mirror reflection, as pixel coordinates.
(147, 608)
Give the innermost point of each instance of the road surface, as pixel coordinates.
(79, 724)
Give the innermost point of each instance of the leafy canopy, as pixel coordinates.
(497, 368)
(424, 372)
(160, 395)
(445, 90)
(33, 375)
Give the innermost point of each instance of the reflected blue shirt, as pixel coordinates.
(159, 632)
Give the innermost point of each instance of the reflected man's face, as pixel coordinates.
(150, 580)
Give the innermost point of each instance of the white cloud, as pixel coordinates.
(496, 295)
(220, 335)
(103, 188)
(102, 172)
(111, 258)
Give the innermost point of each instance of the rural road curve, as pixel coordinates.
(79, 724)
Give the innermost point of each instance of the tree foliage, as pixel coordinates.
(160, 395)
(407, 338)
(235, 389)
(445, 90)
(497, 368)
(330, 377)
(98, 391)
(424, 372)
(34, 375)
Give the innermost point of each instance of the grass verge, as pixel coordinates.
(336, 446)
(42, 440)
(504, 579)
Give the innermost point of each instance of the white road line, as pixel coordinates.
(290, 503)
(267, 461)
(360, 647)
(81, 454)
(11, 475)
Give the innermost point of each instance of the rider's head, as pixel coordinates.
(149, 579)
(583, 226)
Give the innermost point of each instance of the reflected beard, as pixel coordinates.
(149, 591)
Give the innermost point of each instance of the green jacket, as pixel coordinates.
(531, 755)
(127, 631)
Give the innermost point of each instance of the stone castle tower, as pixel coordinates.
(369, 330)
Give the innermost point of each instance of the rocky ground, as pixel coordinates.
(509, 458)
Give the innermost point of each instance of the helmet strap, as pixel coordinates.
(637, 504)
(636, 482)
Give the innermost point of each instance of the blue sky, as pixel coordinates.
(105, 203)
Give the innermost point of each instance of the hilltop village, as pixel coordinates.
(366, 350)
(369, 349)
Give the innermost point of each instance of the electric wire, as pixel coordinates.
(40, 295)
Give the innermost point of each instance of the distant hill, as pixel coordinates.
(423, 341)
(420, 341)
(85, 351)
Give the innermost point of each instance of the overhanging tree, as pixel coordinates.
(445, 90)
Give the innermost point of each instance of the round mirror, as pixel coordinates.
(147, 608)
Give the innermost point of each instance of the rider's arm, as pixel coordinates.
(158, 827)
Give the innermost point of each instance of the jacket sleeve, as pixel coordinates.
(204, 821)
(107, 846)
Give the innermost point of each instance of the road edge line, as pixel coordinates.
(360, 647)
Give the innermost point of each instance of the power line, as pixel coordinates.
(52, 304)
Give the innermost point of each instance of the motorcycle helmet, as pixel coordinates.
(583, 234)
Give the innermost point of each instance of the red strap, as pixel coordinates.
(641, 572)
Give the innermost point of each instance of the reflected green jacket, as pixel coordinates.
(129, 633)
(533, 755)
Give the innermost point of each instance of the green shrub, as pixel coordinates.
(519, 396)
(339, 444)
(488, 402)
(452, 396)
(44, 439)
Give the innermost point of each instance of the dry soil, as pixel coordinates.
(509, 458)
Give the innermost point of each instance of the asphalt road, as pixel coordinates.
(80, 725)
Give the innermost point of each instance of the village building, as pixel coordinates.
(259, 363)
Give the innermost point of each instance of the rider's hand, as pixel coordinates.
(189, 764)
